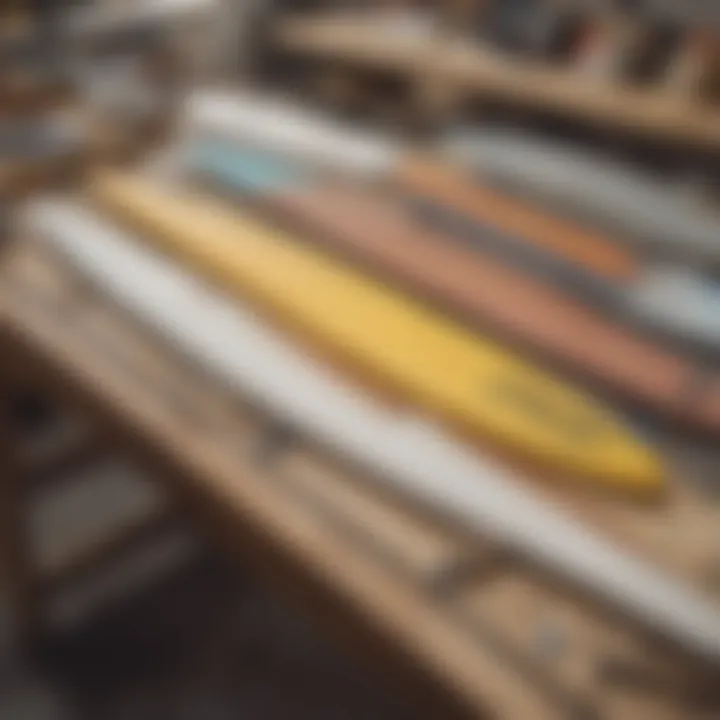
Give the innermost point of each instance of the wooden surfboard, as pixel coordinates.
(434, 363)
(476, 287)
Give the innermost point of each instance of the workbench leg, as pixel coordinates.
(17, 575)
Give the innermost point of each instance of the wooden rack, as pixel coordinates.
(463, 69)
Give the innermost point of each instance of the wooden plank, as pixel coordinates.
(59, 462)
(571, 651)
(420, 547)
(123, 541)
(17, 571)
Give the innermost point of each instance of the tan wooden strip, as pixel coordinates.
(422, 548)
(574, 647)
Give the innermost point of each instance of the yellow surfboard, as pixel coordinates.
(432, 361)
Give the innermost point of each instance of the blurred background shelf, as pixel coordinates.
(465, 69)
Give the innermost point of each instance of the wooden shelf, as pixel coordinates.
(470, 70)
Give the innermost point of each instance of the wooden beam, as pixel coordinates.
(17, 564)
(657, 114)
(123, 541)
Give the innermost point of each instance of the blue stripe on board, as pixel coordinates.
(247, 169)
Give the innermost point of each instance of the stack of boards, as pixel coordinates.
(600, 308)
(377, 337)
(647, 281)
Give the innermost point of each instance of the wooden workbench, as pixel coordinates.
(458, 625)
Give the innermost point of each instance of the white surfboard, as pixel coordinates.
(288, 128)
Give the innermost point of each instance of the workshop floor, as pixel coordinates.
(173, 633)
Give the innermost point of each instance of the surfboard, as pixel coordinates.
(477, 288)
(399, 452)
(427, 358)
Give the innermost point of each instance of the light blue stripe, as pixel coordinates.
(244, 168)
